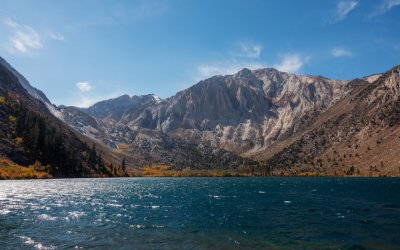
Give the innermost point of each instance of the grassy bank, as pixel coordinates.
(168, 171)
(10, 170)
(243, 171)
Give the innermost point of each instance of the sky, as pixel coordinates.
(81, 52)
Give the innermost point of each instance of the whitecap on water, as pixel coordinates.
(287, 202)
(114, 205)
(46, 217)
(340, 216)
(74, 215)
(137, 226)
(261, 192)
(29, 241)
(4, 211)
(155, 207)
(218, 197)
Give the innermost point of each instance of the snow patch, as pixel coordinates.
(157, 99)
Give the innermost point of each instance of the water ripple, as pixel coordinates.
(201, 213)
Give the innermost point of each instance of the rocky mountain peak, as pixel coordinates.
(245, 72)
(115, 108)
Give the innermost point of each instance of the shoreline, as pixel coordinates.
(12, 171)
(205, 176)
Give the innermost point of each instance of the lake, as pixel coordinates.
(201, 213)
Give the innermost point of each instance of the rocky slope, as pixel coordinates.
(31, 135)
(360, 134)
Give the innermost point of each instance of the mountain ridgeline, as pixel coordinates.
(31, 135)
(264, 120)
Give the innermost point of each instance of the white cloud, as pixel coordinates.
(9, 22)
(340, 52)
(385, 6)
(226, 68)
(244, 56)
(288, 63)
(291, 63)
(249, 50)
(342, 9)
(389, 4)
(23, 38)
(84, 86)
(86, 99)
(248, 57)
(88, 93)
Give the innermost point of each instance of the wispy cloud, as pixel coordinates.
(85, 101)
(88, 94)
(341, 52)
(384, 7)
(226, 67)
(343, 8)
(24, 38)
(291, 63)
(84, 86)
(247, 55)
(248, 50)
(55, 36)
(244, 55)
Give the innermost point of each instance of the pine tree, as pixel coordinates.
(92, 156)
(123, 166)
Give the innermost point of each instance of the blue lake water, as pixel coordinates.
(201, 213)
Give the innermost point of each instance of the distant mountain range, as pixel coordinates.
(273, 122)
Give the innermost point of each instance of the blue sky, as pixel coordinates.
(80, 52)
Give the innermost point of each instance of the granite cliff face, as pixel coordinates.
(241, 113)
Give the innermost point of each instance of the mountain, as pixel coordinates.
(272, 118)
(359, 134)
(263, 121)
(223, 115)
(31, 135)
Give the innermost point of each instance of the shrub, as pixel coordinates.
(19, 141)
(12, 118)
